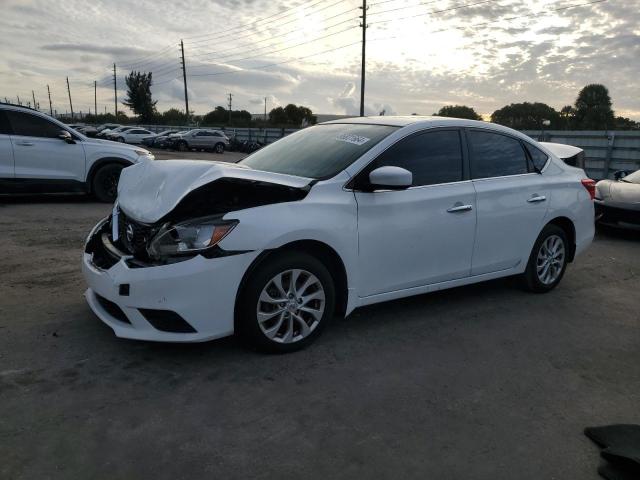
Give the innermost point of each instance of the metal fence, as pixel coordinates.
(605, 152)
(263, 135)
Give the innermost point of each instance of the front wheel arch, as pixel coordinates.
(317, 249)
(98, 164)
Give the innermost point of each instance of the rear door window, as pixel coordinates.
(28, 125)
(495, 155)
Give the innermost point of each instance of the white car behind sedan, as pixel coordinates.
(134, 136)
(328, 219)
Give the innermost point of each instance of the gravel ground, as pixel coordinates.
(478, 382)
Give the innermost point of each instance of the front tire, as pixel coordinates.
(105, 183)
(547, 261)
(286, 303)
(219, 148)
(121, 139)
(182, 146)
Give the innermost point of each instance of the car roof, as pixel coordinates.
(426, 122)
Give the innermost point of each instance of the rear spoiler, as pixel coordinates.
(570, 154)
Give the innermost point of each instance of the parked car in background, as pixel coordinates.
(151, 140)
(200, 139)
(617, 201)
(132, 135)
(88, 130)
(39, 154)
(330, 218)
(113, 134)
(108, 126)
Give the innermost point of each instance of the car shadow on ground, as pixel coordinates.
(603, 231)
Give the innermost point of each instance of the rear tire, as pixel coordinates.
(286, 303)
(120, 139)
(219, 148)
(547, 261)
(105, 182)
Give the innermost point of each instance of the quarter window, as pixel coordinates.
(432, 157)
(538, 157)
(495, 155)
(28, 125)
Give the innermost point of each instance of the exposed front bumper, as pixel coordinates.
(200, 291)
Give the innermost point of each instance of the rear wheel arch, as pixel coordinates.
(321, 251)
(570, 231)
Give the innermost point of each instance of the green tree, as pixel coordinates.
(458, 111)
(623, 123)
(139, 95)
(526, 116)
(217, 116)
(173, 116)
(593, 108)
(292, 115)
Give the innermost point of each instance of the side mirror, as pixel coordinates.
(66, 136)
(620, 174)
(390, 178)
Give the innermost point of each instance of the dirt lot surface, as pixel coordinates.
(479, 382)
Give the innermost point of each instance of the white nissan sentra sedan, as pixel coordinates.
(328, 219)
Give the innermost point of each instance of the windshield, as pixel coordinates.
(318, 152)
(632, 177)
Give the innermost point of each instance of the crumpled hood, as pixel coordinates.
(625, 192)
(149, 190)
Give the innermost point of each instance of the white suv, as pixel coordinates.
(328, 219)
(39, 154)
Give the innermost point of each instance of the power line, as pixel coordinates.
(274, 64)
(427, 13)
(285, 48)
(255, 22)
(207, 54)
(490, 22)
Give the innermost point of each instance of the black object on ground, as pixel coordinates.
(621, 445)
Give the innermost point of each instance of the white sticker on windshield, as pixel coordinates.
(350, 138)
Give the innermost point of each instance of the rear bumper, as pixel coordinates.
(616, 216)
(200, 292)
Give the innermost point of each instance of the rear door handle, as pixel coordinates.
(458, 207)
(537, 198)
(25, 144)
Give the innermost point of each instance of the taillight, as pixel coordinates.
(590, 185)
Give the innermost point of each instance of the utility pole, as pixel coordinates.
(70, 104)
(19, 102)
(95, 98)
(35, 105)
(364, 50)
(265, 109)
(115, 92)
(50, 106)
(230, 97)
(184, 78)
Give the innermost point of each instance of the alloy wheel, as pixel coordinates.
(290, 306)
(550, 259)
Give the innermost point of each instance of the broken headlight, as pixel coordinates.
(191, 237)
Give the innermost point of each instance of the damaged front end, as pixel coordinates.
(172, 226)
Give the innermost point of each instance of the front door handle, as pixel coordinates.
(537, 198)
(25, 144)
(458, 207)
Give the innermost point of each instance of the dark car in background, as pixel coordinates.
(617, 202)
(158, 139)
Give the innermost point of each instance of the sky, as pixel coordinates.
(421, 55)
